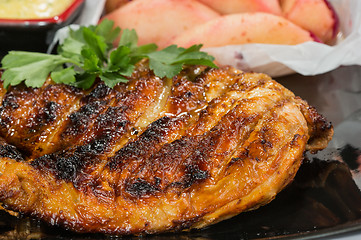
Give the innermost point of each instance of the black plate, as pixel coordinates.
(324, 199)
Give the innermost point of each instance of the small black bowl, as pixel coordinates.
(35, 34)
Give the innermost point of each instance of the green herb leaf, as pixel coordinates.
(85, 80)
(66, 75)
(169, 61)
(129, 39)
(33, 68)
(87, 53)
(96, 43)
(107, 31)
(92, 63)
(119, 59)
(112, 79)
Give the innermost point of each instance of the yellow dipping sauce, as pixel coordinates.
(32, 9)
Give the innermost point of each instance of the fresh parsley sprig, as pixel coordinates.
(88, 53)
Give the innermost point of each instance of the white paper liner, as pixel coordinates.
(308, 58)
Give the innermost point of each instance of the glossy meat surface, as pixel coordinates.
(154, 154)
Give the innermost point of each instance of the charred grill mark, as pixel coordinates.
(51, 105)
(217, 145)
(91, 106)
(148, 142)
(99, 93)
(79, 121)
(235, 159)
(188, 161)
(295, 140)
(119, 118)
(160, 165)
(130, 160)
(98, 146)
(114, 122)
(9, 151)
(266, 144)
(165, 163)
(141, 187)
(67, 168)
(71, 165)
(193, 174)
(110, 126)
(50, 111)
(46, 115)
(10, 101)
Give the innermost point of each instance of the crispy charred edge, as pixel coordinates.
(67, 165)
(103, 105)
(320, 130)
(98, 102)
(44, 109)
(9, 151)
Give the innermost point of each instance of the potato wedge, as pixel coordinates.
(231, 6)
(316, 16)
(244, 28)
(159, 21)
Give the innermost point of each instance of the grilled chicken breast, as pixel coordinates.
(152, 155)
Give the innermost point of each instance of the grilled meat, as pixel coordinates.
(153, 154)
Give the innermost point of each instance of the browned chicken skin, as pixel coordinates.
(154, 154)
